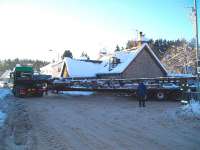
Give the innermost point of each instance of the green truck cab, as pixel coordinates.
(24, 82)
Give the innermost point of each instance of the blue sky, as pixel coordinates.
(93, 24)
(161, 18)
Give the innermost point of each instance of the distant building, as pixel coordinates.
(5, 76)
(5, 79)
(131, 63)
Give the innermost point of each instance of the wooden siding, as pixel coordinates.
(144, 66)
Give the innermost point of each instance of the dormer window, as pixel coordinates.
(113, 62)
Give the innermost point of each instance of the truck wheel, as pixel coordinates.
(14, 91)
(160, 95)
(17, 92)
(40, 95)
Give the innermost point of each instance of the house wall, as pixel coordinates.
(144, 66)
(56, 69)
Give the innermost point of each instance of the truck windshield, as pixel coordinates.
(23, 74)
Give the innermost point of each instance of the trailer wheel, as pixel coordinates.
(17, 92)
(14, 91)
(39, 94)
(160, 95)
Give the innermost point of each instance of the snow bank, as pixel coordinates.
(192, 109)
(4, 93)
(2, 118)
(78, 93)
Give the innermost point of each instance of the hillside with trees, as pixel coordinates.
(10, 64)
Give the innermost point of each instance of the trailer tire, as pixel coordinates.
(160, 95)
(17, 92)
(39, 95)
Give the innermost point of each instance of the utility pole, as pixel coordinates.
(195, 15)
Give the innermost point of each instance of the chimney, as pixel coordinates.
(140, 38)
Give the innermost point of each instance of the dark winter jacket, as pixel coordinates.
(141, 90)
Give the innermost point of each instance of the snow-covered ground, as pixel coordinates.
(192, 109)
(77, 93)
(2, 118)
(104, 122)
(3, 93)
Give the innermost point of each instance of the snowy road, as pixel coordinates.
(3, 93)
(103, 122)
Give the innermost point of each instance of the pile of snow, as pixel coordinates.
(192, 109)
(4, 93)
(2, 118)
(78, 93)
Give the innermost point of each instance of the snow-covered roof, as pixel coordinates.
(80, 68)
(83, 58)
(83, 68)
(126, 57)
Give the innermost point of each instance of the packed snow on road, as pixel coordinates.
(2, 118)
(3, 94)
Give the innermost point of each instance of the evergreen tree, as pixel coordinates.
(130, 44)
(85, 55)
(117, 48)
(67, 53)
(10, 64)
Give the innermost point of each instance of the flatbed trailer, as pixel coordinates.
(160, 88)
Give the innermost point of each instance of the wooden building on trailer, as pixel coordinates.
(130, 63)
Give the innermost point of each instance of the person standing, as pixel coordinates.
(141, 94)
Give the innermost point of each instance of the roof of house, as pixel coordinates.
(126, 57)
(81, 68)
(77, 68)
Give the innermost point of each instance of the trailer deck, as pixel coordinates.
(160, 88)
